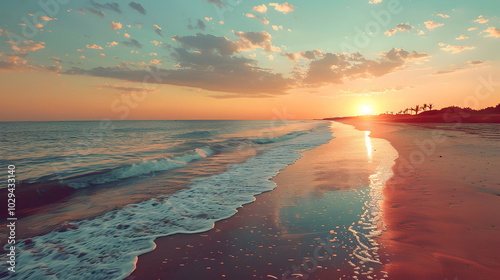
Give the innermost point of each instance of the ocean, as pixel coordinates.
(99, 193)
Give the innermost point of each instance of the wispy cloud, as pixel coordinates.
(138, 7)
(130, 90)
(113, 6)
(157, 29)
(199, 25)
(263, 19)
(399, 27)
(432, 24)
(481, 20)
(455, 49)
(94, 46)
(96, 12)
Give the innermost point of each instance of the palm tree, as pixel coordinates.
(430, 106)
(425, 106)
(417, 109)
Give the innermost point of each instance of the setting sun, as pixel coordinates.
(365, 109)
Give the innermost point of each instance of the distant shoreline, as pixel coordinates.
(445, 115)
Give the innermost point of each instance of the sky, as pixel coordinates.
(247, 59)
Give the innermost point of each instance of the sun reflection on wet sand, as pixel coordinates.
(368, 144)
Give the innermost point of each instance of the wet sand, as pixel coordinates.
(300, 229)
(441, 208)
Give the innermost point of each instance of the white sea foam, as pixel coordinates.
(106, 247)
(370, 223)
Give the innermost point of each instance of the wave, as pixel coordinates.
(143, 168)
(195, 134)
(165, 164)
(281, 138)
(107, 246)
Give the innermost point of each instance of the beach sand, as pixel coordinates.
(442, 205)
(441, 215)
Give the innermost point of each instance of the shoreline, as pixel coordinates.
(320, 197)
(440, 208)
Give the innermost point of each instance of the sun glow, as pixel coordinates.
(365, 109)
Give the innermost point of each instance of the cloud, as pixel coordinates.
(461, 37)
(96, 12)
(26, 46)
(276, 28)
(1, 30)
(156, 62)
(94, 46)
(208, 18)
(404, 27)
(399, 27)
(80, 11)
(448, 71)
(52, 68)
(283, 8)
(218, 3)
(481, 20)
(421, 32)
(125, 89)
(126, 35)
(207, 43)
(443, 15)
(309, 55)
(138, 7)
(477, 62)
(390, 32)
(263, 19)
(46, 18)
(199, 25)
(111, 44)
(252, 40)
(56, 59)
(115, 25)
(208, 62)
(16, 62)
(472, 28)
(432, 24)
(113, 6)
(375, 1)
(334, 68)
(132, 43)
(157, 30)
(493, 32)
(260, 8)
(157, 43)
(224, 74)
(456, 49)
